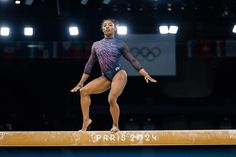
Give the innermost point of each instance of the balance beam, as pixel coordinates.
(121, 138)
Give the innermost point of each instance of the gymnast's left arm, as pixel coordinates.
(135, 63)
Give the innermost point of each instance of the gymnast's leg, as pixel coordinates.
(96, 86)
(118, 84)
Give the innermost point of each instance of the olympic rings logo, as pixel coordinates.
(145, 53)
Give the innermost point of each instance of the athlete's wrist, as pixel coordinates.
(80, 84)
(143, 72)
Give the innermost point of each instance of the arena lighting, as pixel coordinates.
(163, 29)
(173, 29)
(84, 2)
(73, 30)
(28, 31)
(4, 31)
(234, 29)
(17, 2)
(122, 30)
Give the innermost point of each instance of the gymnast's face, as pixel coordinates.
(108, 28)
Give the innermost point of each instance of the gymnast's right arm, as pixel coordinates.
(87, 70)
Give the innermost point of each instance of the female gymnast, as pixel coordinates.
(108, 52)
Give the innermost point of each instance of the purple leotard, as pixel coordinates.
(108, 52)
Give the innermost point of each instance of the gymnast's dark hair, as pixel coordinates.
(115, 22)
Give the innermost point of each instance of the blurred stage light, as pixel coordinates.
(173, 29)
(17, 2)
(28, 31)
(163, 29)
(73, 30)
(4, 31)
(122, 30)
(234, 29)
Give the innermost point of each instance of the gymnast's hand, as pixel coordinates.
(146, 76)
(77, 87)
(149, 78)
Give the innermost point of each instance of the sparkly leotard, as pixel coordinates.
(108, 52)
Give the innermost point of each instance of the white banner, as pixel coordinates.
(155, 52)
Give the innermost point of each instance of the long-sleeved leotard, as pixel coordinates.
(108, 52)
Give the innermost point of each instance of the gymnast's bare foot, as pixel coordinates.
(114, 129)
(85, 125)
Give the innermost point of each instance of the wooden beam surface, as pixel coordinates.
(122, 138)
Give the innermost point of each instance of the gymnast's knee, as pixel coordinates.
(84, 91)
(112, 100)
